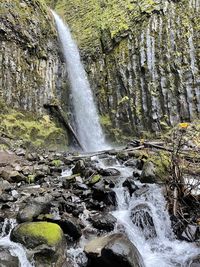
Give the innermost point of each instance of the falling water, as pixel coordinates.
(88, 127)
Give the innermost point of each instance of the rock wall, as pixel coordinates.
(142, 58)
(31, 69)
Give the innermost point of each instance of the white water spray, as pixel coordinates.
(87, 121)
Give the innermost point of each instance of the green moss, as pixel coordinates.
(31, 129)
(89, 18)
(51, 233)
(57, 162)
(105, 120)
(95, 179)
(162, 163)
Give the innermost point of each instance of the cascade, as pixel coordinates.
(87, 122)
(15, 249)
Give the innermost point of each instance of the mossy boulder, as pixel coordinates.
(44, 239)
(156, 168)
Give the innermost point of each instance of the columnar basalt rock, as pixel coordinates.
(142, 60)
(31, 69)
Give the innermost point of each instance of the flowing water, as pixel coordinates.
(87, 121)
(15, 249)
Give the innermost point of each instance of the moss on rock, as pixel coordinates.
(36, 233)
(29, 129)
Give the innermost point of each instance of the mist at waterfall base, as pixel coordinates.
(87, 121)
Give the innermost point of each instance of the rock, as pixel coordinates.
(12, 176)
(141, 217)
(132, 163)
(113, 250)
(5, 185)
(105, 221)
(156, 168)
(45, 240)
(69, 225)
(6, 259)
(194, 262)
(109, 172)
(124, 156)
(34, 208)
(191, 233)
(130, 184)
(102, 193)
(148, 174)
(6, 198)
(79, 167)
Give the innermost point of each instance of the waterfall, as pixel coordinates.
(87, 122)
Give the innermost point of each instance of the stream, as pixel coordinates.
(142, 216)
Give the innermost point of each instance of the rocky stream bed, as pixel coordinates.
(60, 209)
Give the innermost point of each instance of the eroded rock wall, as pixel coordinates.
(142, 58)
(32, 73)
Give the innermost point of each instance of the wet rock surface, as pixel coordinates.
(6, 259)
(113, 250)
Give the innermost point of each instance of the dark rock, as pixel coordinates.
(6, 259)
(130, 184)
(79, 167)
(103, 221)
(136, 173)
(34, 208)
(109, 172)
(70, 226)
(191, 233)
(141, 217)
(113, 250)
(102, 193)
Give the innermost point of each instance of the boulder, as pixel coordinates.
(70, 226)
(6, 259)
(141, 217)
(113, 250)
(130, 184)
(105, 221)
(45, 241)
(103, 193)
(109, 172)
(5, 185)
(34, 208)
(12, 176)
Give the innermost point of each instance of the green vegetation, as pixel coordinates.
(89, 18)
(31, 130)
(50, 233)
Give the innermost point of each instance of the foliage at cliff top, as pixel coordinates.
(89, 18)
